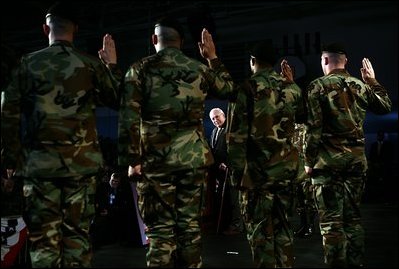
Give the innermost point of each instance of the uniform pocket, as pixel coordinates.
(148, 202)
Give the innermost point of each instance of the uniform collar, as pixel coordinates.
(170, 50)
(340, 72)
(61, 42)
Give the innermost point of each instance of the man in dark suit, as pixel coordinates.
(218, 138)
(229, 219)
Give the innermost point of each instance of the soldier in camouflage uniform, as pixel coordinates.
(162, 141)
(335, 152)
(260, 149)
(49, 138)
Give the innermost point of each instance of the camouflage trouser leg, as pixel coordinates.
(268, 231)
(170, 206)
(338, 202)
(59, 212)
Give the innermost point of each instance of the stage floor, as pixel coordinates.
(219, 251)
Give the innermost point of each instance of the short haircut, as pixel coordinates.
(171, 23)
(60, 25)
(264, 52)
(63, 10)
(166, 34)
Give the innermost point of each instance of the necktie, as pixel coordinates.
(216, 136)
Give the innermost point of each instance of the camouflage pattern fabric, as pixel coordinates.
(60, 240)
(161, 127)
(49, 136)
(48, 116)
(335, 148)
(337, 111)
(298, 141)
(337, 203)
(170, 206)
(268, 231)
(304, 188)
(162, 111)
(262, 129)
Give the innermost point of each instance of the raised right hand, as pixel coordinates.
(108, 52)
(286, 71)
(207, 47)
(367, 70)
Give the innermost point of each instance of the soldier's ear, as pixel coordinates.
(46, 29)
(325, 60)
(154, 39)
(252, 60)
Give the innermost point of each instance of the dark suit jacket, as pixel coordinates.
(219, 147)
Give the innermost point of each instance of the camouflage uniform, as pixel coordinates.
(49, 136)
(262, 127)
(335, 149)
(304, 203)
(161, 127)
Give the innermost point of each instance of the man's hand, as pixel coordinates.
(367, 70)
(108, 53)
(223, 167)
(10, 173)
(308, 170)
(207, 47)
(286, 71)
(134, 171)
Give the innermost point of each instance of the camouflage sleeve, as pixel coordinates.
(238, 132)
(344, 113)
(220, 79)
(379, 101)
(314, 124)
(129, 119)
(11, 117)
(108, 79)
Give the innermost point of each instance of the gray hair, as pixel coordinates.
(216, 109)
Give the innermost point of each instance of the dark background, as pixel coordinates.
(295, 28)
